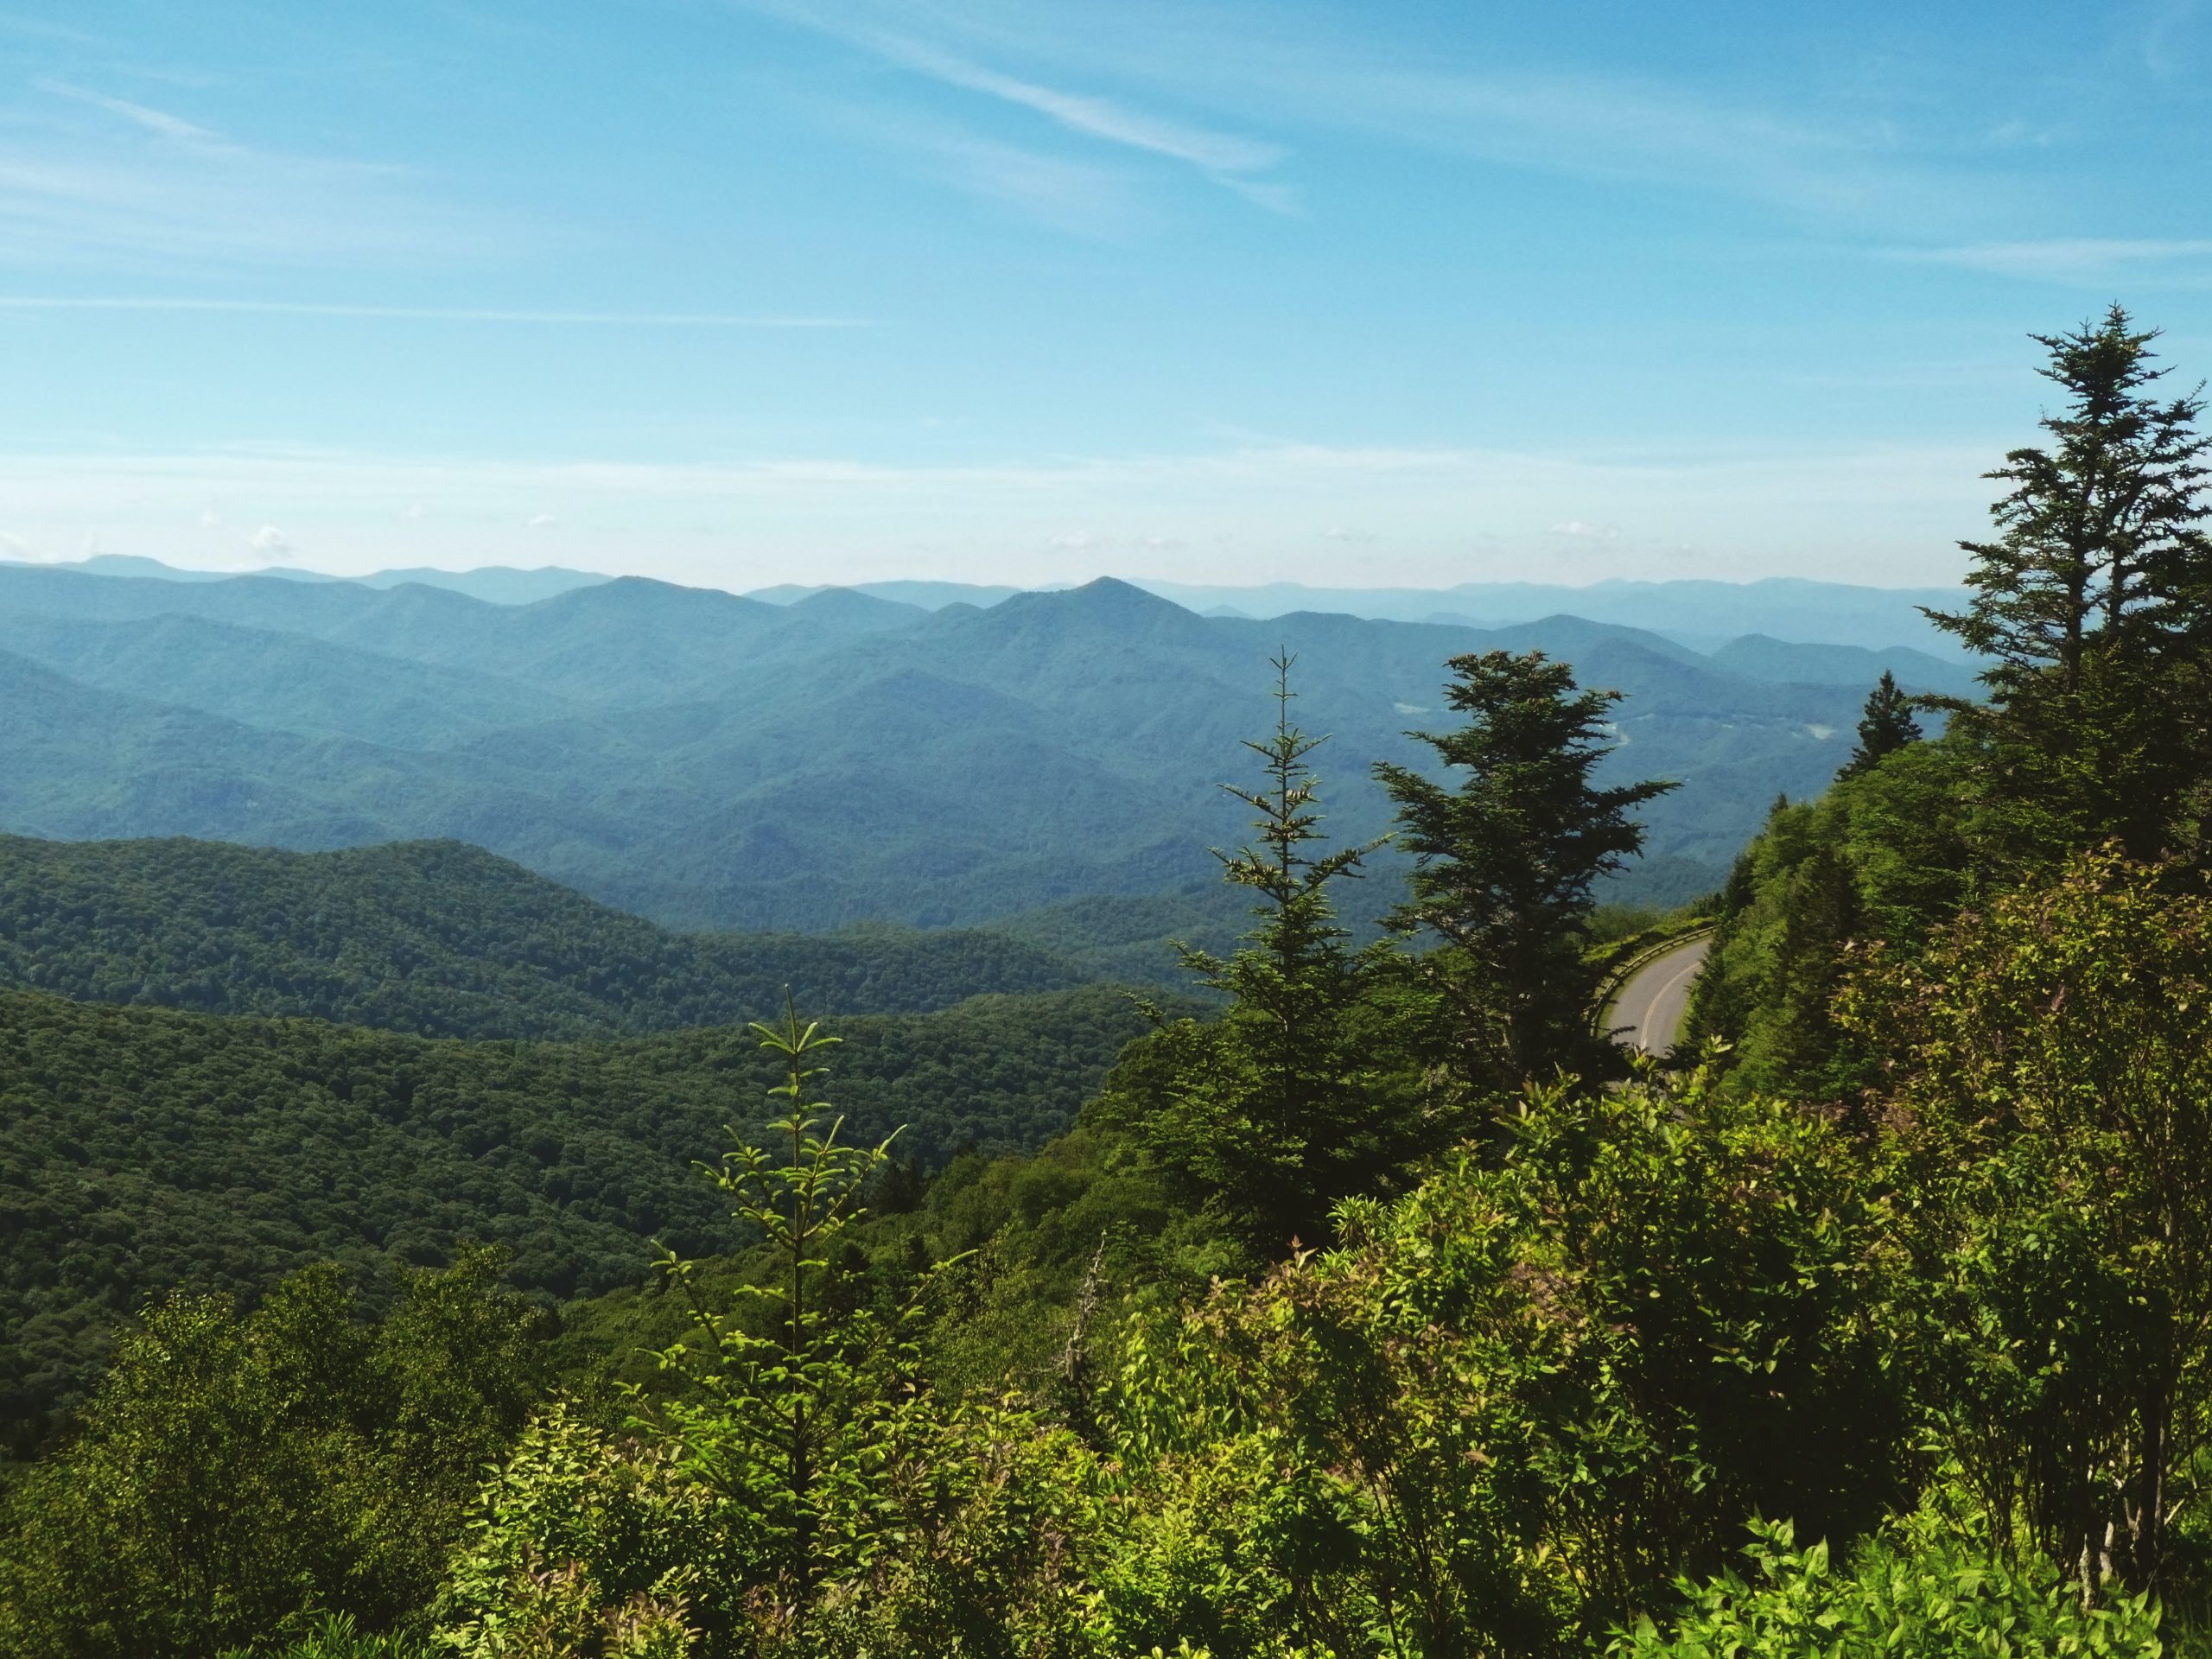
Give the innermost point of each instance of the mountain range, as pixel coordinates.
(1703, 615)
(708, 760)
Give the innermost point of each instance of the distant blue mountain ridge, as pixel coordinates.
(1708, 616)
(706, 760)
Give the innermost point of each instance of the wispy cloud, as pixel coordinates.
(1235, 161)
(1630, 129)
(40, 28)
(1083, 198)
(157, 121)
(1822, 151)
(2080, 259)
(1094, 118)
(88, 177)
(426, 313)
(1069, 195)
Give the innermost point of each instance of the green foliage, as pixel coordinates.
(2093, 606)
(2094, 602)
(1018, 1245)
(776, 1424)
(964, 1539)
(1886, 726)
(805, 1494)
(338, 1637)
(582, 1543)
(1514, 1402)
(233, 1475)
(1943, 1597)
(442, 940)
(1883, 857)
(1505, 863)
(142, 1149)
(1293, 1099)
(2050, 1061)
(1503, 1413)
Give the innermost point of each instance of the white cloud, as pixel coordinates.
(1581, 531)
(86, 175)
(272, 542)
(1094, 118)
(539, 521)
(1072, 541)
(409, 514)
(2092, 260)
(157, 121)
(15, 547)
(1230, 159)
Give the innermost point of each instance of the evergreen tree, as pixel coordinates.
(1279, 1109)
(2096, 593)
(1506, 861)
(1886, 726)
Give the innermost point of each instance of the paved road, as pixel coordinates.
(1648, 1011)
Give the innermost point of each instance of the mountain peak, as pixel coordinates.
(1103, 596)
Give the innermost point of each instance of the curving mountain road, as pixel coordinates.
(1646, 1011)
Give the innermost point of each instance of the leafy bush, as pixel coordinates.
(234, 1475)
(1943, 1596)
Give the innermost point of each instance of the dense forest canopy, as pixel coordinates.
(1384, 1309)
(142, 1149)
(442, 940)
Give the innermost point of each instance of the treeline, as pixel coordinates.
(441, 939)
(1391, 1312)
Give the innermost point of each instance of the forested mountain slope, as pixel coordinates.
(444, 940)
(141, 1148)
(713, 761)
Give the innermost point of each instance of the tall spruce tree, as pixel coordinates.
(1886, 726)
(1506, 860)
(2095, 603)
(1282, 1107)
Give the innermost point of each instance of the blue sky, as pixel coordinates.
(738, 292)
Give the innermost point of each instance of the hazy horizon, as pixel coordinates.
(796, 584)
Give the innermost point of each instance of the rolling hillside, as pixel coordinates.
(443, 940)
